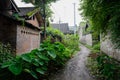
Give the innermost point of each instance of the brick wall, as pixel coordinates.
(22, 39)
(27, 39)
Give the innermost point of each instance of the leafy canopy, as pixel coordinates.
(41, 4)
(104, 16)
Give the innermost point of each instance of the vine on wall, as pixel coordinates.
(104, 16)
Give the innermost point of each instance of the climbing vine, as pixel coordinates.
(104, 17)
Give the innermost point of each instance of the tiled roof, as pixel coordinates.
(20, 3)
(25, 10)
(20, 22)
(24, 7)
(63, 27)
(8, 5)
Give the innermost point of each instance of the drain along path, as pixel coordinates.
(75, 68)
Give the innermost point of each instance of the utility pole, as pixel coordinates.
(44, 18)
(74, 17)
(59, 23)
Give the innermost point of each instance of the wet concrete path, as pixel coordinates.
(75, 68)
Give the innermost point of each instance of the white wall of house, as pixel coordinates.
(87, 39)
(80, 32)
(108, 48)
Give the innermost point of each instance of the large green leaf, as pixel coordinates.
(41, 49)
(6, 64)
(34, 51)
(52, 54)
(27, 58)
(43, 57)
(33, 74)
(35, 62)
(27, 70)
(41, 71)
(39, 61)
(15, 68)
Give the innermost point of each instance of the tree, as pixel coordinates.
(105, 17)
(44, 9)
(41, 4)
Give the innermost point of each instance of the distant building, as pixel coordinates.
(63, 27)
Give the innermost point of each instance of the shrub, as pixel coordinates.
(99, 13)
(36, 64)
(104, 67)
(54, 34)
(96, 48)
(5, 52)
(71, 42)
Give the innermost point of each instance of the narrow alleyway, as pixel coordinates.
(75, 68)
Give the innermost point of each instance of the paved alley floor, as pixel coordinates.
(75, 68)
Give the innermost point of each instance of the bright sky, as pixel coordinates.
(64, 11)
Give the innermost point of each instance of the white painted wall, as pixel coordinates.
(87, 39)
(108, 48)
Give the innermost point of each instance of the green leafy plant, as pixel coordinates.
(38, 63)
(71, 42)
(54, 34)
(103, 67)
(98, 12)
(6, 53)
(96, 48)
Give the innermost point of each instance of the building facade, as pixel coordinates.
(18, 28)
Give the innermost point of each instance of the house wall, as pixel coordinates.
(4, 4)
(27, 39)
(80, 32)
(108, 48)
(7, 32)
(34, 22)
(86, 39)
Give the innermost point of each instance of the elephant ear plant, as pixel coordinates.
(35, 64)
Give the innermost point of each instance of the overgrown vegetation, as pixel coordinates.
(6, 53)
(103, 67)
(104, 17)
(95, 48)
(40, 63)
(71, 42)
(42, 4)
(54, 34)
(37, 63)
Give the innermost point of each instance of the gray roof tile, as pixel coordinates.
(63, 27)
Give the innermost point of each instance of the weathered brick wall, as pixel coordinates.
(22, 39)
(108, 48)
(27, 39)
(7, 32)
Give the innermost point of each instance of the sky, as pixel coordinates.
(64, 12)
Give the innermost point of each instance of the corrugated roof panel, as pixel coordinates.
(19, 3)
